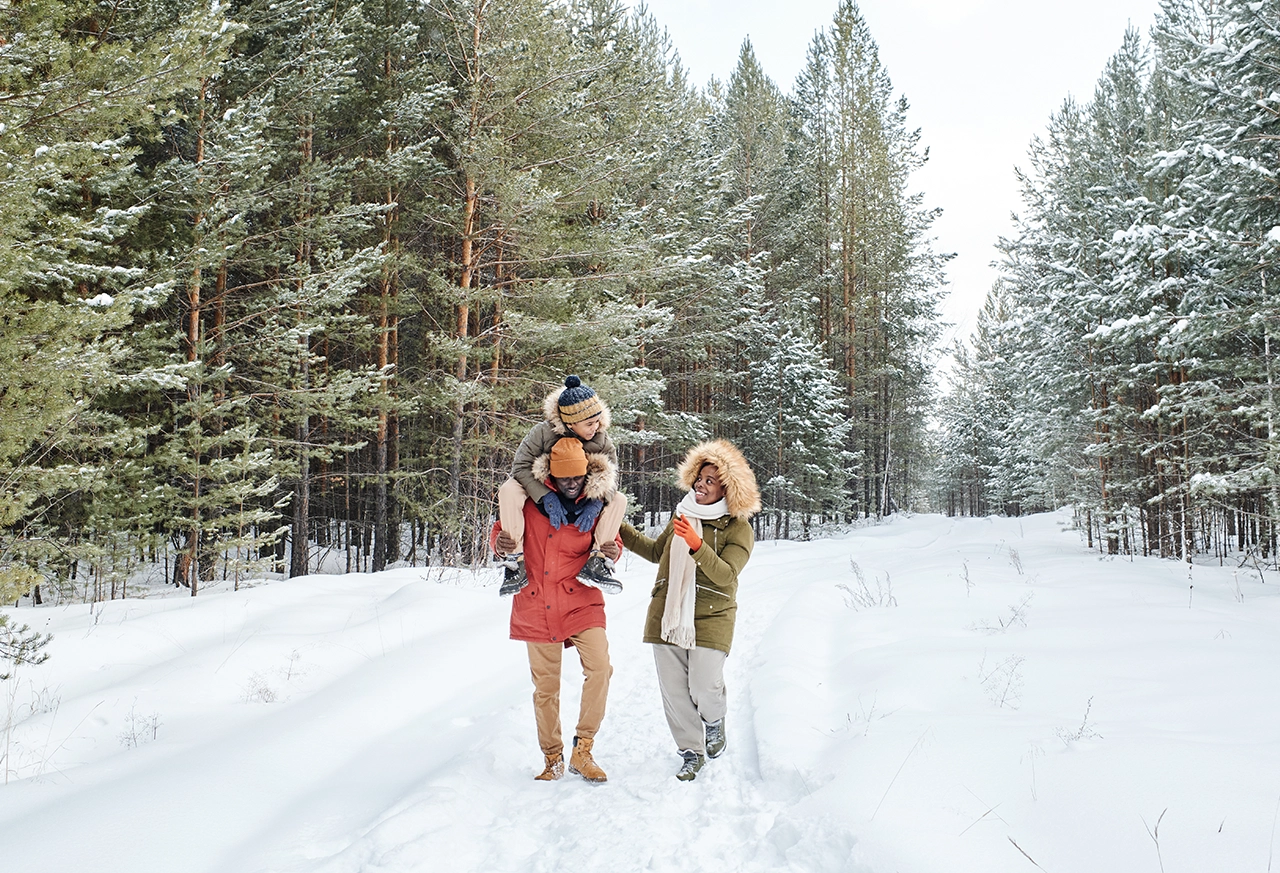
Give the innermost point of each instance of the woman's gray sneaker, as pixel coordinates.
(715, 738)
(693, 762)
(598, 573)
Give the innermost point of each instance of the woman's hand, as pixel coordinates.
(685, 531)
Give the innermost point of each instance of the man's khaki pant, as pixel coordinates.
(544, 665)
(511, 498)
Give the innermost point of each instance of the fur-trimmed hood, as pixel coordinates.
(551, 410)
(740, 490)
(602, 475)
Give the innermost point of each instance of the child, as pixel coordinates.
(573, 410)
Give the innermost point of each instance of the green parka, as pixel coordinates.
(727, 542)
(726, 546)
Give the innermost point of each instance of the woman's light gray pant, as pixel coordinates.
(692, 683)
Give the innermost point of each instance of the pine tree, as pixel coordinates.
(869, 248)
(796, 430)
(86, 89)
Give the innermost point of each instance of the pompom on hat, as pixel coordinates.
(578, 402)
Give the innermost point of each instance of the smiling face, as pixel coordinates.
(569, 486)
(707, 488)
(587, 429)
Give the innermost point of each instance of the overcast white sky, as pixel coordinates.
(982, 76)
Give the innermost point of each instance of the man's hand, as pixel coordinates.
(611, 550)
(505, 543)
(685, 531)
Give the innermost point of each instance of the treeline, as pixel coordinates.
(1125, 360)
(284, 283)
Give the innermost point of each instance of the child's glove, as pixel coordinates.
(588, 512)
(555, 509)
(684, 530)
(505, 543)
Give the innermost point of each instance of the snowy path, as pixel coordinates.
(485, 813)
(1018, 701)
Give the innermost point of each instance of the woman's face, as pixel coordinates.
(707, 487)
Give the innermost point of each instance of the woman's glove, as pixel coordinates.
(588, 512)
(555, 509)
(685, 531)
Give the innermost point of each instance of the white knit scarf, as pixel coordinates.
(682, 587)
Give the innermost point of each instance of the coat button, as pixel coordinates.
(548, 606)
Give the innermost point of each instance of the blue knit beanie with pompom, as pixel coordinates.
(578, 402)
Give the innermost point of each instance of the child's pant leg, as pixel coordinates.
(511, 498)
(611, 518)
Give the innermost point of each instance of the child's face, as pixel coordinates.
(587, 429)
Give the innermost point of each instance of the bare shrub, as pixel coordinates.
(139, 729)
(1017, 617)
(862, 594)
(1003, 682)
(1084, 732)
(257, 690)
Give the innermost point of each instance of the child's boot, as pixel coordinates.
(514, 575)
(598, 573)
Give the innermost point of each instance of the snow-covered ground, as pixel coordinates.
(990, 697)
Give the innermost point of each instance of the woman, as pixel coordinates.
(694, 604)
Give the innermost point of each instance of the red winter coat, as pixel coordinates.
(554, 605)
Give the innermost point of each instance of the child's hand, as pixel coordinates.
(555, 509)
(685, 531)
(588, 512)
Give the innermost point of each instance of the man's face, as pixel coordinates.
(569, 486)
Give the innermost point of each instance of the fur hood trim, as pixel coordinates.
(740, 490)
(602, 475)
(551, 410)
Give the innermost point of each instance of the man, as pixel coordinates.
(556, 611)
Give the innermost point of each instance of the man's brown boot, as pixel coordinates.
(554, 769)
(583, 764)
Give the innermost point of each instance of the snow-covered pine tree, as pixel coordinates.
(1140, 315)
(534, 245)
(870, 248)
(86, 87)
(1221, 57)
(315, 248)
(795, 431)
